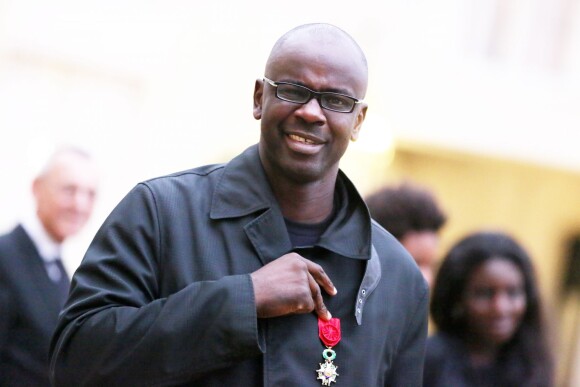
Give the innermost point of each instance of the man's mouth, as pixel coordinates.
(301, 139)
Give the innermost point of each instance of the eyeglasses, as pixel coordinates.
(294, 93)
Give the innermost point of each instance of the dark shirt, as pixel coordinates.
(447, 363)
(305, 234)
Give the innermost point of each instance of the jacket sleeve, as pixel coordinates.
(407, 369)
(116, 330)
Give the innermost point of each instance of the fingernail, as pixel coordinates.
(328, 315)
(335, 291)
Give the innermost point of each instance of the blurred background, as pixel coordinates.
(477, 99)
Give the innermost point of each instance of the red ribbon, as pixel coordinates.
(329, 331)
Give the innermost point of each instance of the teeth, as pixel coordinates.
(301, 139)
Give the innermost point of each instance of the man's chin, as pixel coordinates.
(305, 174)
(70, 231)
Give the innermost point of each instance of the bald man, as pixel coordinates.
(33, 281)
(265, 271)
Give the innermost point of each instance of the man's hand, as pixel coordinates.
(291, 284)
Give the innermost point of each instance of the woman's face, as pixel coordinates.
(495, 301)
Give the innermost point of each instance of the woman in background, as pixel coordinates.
(486, 308)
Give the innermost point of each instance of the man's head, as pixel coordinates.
(65, 192)
(413, 216)
(303, 142)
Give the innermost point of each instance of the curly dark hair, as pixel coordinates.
(528, 349)
(406, 207)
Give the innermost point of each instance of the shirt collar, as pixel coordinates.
(48, 249)
(349, 233)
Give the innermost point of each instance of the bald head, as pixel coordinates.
(319, 32)
(323, 38)
(65, 191)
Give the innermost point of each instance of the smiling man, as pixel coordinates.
(265, 271)
(33, 282)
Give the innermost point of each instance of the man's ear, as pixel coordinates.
(36, 186)
(360, 117)
(258, 93)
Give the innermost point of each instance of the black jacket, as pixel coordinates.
(164, 296)
(29, 307)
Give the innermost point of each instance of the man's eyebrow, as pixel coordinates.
(327, 90)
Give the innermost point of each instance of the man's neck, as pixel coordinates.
(305, 203)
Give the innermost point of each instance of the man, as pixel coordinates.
(208, 277)
(411, 213)
(33, 282)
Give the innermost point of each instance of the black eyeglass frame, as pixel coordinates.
(314, 94)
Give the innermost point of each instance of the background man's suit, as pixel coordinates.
(29, 305)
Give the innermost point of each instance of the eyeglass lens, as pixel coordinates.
(299, 94)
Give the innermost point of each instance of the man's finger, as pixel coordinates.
(320, 276)
(319, 306)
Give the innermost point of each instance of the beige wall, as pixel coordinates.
(538, 205)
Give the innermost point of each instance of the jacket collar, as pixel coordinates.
(243, 189)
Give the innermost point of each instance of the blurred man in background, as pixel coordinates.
(33, 281)
(411, 213)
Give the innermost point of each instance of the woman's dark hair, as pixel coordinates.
(525, 356)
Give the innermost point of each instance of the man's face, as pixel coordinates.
(423, 247)
(304, 143)
(65, 195)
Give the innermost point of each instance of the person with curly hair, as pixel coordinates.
(412, 214)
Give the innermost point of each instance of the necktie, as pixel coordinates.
(58, 275)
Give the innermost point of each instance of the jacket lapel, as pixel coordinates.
(369, 283)
(33, 264)
(268, 235)
(243, 189)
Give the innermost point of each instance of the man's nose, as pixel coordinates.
(83, 200)
(312, 111)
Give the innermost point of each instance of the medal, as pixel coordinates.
(329, 333)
